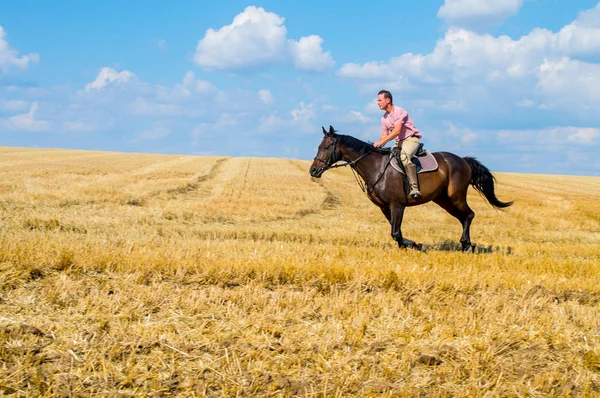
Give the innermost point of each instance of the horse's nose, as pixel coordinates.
(315, 172)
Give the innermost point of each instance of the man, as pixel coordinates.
(396, 124)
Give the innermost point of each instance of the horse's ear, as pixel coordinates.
(331, 130)
(324, 131)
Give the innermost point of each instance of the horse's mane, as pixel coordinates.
(361, 146)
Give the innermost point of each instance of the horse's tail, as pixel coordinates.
(483, 181)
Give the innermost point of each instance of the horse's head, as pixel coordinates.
(327, 153)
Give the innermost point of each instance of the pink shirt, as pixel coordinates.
(399, 116)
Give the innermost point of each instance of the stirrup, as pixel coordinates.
(414, 194)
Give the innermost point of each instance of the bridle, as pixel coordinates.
(329, 164)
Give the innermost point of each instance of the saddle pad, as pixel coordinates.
(424, 163)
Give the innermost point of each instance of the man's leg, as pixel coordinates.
(409, 149)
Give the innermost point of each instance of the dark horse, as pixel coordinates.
(447, 186)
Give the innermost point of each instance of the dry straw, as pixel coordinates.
(154, 275)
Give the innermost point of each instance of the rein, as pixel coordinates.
(364, 187)
(335, 166)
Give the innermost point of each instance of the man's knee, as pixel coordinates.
(405, 158)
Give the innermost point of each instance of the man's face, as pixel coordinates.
(382, 101)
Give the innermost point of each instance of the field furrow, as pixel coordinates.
(156, 275)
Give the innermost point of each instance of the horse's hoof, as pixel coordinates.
(469, 249)
(409, 244)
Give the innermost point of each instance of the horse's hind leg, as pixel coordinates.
(387, 213)
(459, 208)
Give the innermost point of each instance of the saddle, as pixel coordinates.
(423, 160)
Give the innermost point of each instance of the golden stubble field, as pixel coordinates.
(155, 275)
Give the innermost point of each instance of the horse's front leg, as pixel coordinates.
(397, 213)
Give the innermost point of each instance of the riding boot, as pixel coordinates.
(411, 173)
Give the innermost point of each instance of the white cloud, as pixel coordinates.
(584, 136)
(589, 18)
(257, 37)
(349, 118)
(579, 38)
(210, 132)
(556, 137)
(126, 95)
(266, 96)
(198, 85)
(271, 123)
(9, 57)
(469, 138)
(570, 80)
(193, 98)
(360, 117)
(157, 132)
(148, 107)
(301, 120)
(525, 103)
(304, 113)
(28, 122)
(14, 105)
(161, 44)
(465, 54)
(468, 67)
(308, 54)
(371, 108)
(454, 135)
(109, 75)
(189, 89)
(454, 106)
(79, 127)
(27, 92)
(174, 109)
(478, 13)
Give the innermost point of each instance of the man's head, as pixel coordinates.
(384, 99)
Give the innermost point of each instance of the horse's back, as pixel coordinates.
(454, 171)
(450, 161)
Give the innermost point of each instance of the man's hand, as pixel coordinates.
(379, 144)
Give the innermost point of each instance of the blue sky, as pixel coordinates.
(515, 83)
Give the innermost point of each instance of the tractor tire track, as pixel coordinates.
(331, 201)
(194, 185)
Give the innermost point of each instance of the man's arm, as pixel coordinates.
(385, 138)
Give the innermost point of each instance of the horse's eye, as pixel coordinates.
(327, 147)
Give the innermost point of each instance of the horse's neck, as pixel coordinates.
(367, 167)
